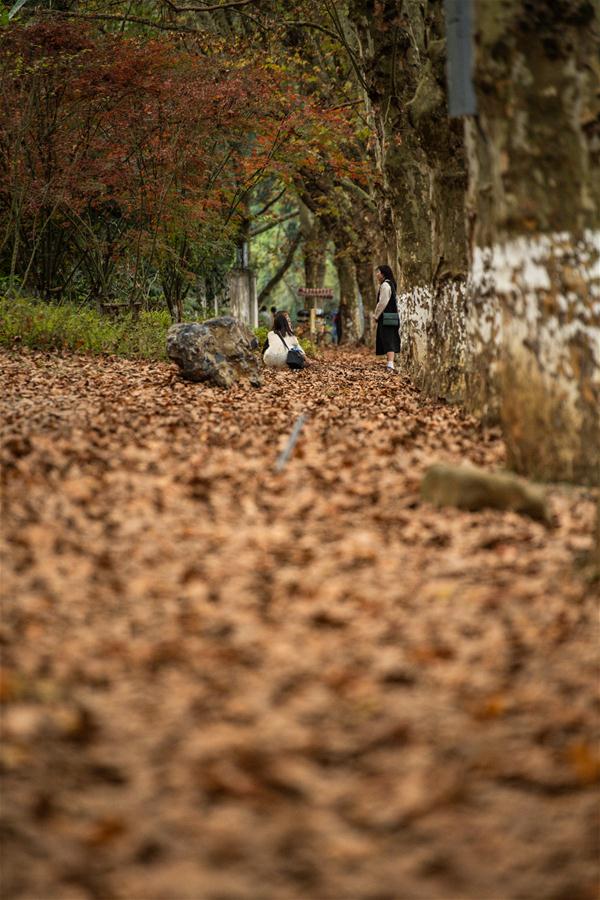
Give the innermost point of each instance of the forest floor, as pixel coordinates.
(224, 683)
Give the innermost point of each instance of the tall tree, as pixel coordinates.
(534, 209)
(509, 199)
(400, 54)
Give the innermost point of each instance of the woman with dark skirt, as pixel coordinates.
(386, 315)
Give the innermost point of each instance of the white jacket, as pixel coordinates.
(276, 354)
(385, 292)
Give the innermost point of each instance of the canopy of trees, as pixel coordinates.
(147, 144)
(138, 149)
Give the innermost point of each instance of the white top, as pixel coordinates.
(276, 354)
(385, 293)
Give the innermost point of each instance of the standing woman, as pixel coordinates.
(386, 315)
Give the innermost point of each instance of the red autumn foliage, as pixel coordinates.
(109, 143)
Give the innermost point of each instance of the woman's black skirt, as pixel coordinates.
(387, 339)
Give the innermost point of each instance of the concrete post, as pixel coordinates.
(242, 296)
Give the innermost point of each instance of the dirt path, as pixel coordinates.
(222, 683)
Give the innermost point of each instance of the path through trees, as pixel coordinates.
(222, 682)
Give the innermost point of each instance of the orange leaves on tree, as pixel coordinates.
(98, 129)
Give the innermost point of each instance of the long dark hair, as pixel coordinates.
(388, 275)
(281, 324)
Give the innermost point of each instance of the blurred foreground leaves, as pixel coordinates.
(219, 681)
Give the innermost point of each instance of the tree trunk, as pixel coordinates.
(349, 311)
(336, 222)
(314, 248)
(365, 270)
(422, 161)
(534, 199)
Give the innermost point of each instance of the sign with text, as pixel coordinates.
(326, 293)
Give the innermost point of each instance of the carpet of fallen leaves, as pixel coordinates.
(225, 683)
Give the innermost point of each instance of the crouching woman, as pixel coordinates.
(280, 341)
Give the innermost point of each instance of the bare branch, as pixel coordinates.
(274, 281)
(356, 188)
(271, 203)
(338, 36)
(102, 17)
(345, 105)
(272, 224)
(232, 4)
(335, 18)
(314, 25)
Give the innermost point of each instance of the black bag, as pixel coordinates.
(295, 357)
(390, 319)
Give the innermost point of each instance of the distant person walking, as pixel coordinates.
(280, 341)
(264, 317)
(336, 321)
(386, 314)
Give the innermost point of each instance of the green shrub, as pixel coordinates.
(66, 326)
(261, 334)
(309, 348)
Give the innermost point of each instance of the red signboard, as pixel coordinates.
(316, 292)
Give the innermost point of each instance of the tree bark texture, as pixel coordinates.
(401, 47)
(314, 247)
(365, 272)
(534, 205)
(349, 311)
(495, 220)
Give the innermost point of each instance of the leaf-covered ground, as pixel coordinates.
(224, 683)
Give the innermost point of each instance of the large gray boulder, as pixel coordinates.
(218, 351)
